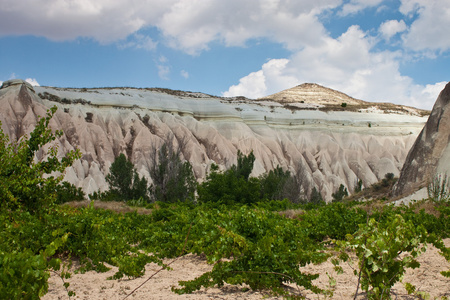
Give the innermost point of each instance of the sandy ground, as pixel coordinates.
(93, 285)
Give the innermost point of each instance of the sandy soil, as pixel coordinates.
(92, 285)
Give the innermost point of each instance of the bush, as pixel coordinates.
(340, 193)
(66, 192)
(232, 186)
(251, 246)
(378, 246)
(388, 180)
(227, 188)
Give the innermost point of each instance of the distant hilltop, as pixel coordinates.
(312, 95)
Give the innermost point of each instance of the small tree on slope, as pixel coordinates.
(124, 182)
(25, 183)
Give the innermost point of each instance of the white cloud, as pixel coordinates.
(192, 25)
(355, 6)
(184, 74)
(138, 41)
(432, 91)
(163, 72)
(270, 79)
(103, 20)
(252, 86)
(390, 28)
(189, 25)
(32, 81)
(348, 64)
(429, 31)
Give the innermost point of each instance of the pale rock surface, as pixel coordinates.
(430, 154)
(324, 143)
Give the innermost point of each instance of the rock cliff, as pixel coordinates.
(308, 131)
(430, 154)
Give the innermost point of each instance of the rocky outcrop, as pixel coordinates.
(326, 145)
(430, 154)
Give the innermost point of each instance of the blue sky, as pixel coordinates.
(392, 51)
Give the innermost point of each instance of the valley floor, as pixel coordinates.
(93, 285)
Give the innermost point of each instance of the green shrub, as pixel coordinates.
(66, 192)
(23, 181)
(227, 188)
(378, 246)
(340, 193)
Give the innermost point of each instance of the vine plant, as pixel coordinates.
(378, 247)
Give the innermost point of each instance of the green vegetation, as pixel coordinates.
(173, 180)
(236, 224)
(378, 246)
(340, 193)
(438, 188)
(66, 192)
(358, 187)
(124, 182)
(233, 186)
(278, 185)
(22, 181)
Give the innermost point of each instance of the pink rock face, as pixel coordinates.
(429, 156)
(326, 145)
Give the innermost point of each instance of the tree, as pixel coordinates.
(124, 181)
(25, 182)
(358, 186)
(173, 180)
(388, 180)
(274, 184)
(244, 164)
(340, 193)
(232, 186)
(316, 197)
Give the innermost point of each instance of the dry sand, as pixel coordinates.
(93, 285)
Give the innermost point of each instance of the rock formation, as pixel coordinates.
(308, 131)
(430, 154)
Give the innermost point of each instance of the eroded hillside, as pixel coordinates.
(326, 142)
